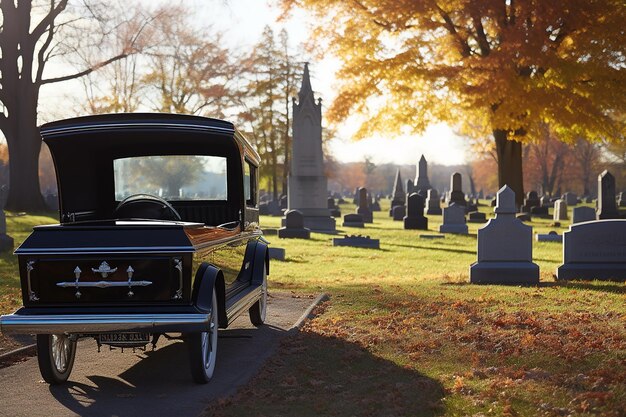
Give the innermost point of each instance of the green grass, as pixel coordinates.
(405, 333)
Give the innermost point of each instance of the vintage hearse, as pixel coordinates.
(159, 234)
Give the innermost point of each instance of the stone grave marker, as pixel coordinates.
(551, 236)
(333, 207)
(398, 213)
(307, 183)
(456, 194)
(409, 187)
(621, 199)
(546, 201)
(276, 253)
(414, 219)
(560, 211)
(477, 217)
(283, 201)
(375, 204)
(583, 214)
(454, 220)
(357, 242)
(607, 206)
(432, 202)
(504, 247)
(594, 250)
(531, 200)
(398, 197)
(540, 211)
(294, 226)
(274, 208)
(570, 198)
(422, 183)
(363, 209)
(353, 220)
(6, 241)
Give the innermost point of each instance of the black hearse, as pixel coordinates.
(158, 234)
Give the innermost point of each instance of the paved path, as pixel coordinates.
(152, 384)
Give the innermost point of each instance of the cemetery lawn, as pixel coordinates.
(405, 334)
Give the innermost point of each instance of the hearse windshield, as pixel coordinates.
(172, 177)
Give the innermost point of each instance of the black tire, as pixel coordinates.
(258, 310)
(55, 354)
(202, 348)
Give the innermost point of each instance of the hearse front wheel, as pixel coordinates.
(258, 309)
(203, 349)
(55, 354)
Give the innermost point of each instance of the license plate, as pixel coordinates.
(125, 338)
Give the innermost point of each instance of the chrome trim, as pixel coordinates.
(100, 250)
(104, 269)
(114, 126)
(31, 294)
(130, 271)
(178, 264)
(99, 323)
(77, 272)
(103, 284)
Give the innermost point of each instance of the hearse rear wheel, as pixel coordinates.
(203, 349)
(258, 309)
(55, 354)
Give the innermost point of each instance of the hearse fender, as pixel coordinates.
(208, 277)
(261, 260)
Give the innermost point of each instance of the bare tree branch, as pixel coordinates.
(85, 72)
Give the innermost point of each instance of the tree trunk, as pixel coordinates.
(24, 146)
(510, 164)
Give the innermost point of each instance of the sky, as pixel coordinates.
(243, 21)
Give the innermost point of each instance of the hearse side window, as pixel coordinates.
(172, 177)
(249, 183)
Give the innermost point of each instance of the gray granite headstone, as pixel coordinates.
(621, 199)
(583, 214)
(398, 213)
(294, 226)
(276, 253)
(432, 202)
(422, 183)
(454, 220)
(6, 241)
(570, 198)
(414, 219)
(409, 187)
(504, 247)
(477, 217)
(531, 200)
(357, 242)
(560, 210)
(364, 209)
(546, 201)
(540, 211)
(353, 220)
(456, 194)
(307, 183)
(549, 237)
(607, 206)
(594, 250)
(398, 197)
(375, 205)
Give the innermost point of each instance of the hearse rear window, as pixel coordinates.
(172, 177)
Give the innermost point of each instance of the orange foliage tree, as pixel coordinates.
(503, 65)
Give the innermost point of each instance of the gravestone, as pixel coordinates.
(355, 198)
(549, 237)
(594, 250)
(422, 184)
(357, 242)
(294, 226)
(363, 209)
(276, 253)
(477, 217)
(398, 197)
(353, 220)
(546, 201)
(456, 194)
(540, 211)
(583, 214)
(274, 208)
(398, 213)
(607, 207)
(414, 219)
(409, 187)
(263, 208)
(307, 183)
(454, 220)
(504, 247)
(6, 241)
(531, 200)
(432, 202)
(560, 211)
(621, 199)
(570, 198)
(283, 202)
(333, 207)
(375, 205)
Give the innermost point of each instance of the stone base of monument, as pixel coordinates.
(6, 243)
(357, 242)
(293, 233)
(459, 229)
(323, 224)
(276, 253)
(434, 211)
(415, 223)
(592, 271)
(514, 273)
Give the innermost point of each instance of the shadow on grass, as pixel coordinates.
(315, 375)
(610, 287)
(433, 248)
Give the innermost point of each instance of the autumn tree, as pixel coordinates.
(34, 34)
(504, 65)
